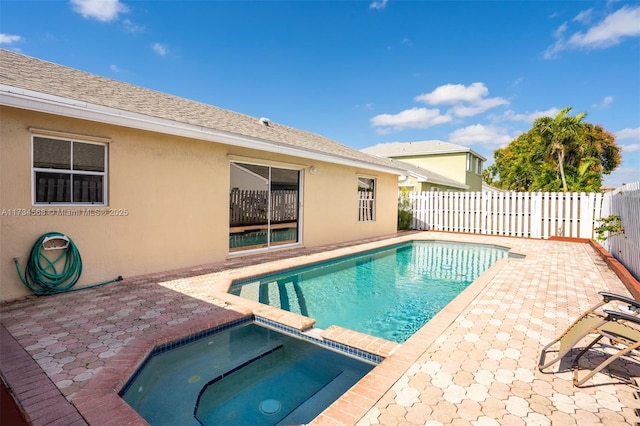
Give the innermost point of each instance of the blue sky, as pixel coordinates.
(474, 73)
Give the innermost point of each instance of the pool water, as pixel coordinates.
(245, 375)
(388, 293)
(260, 238)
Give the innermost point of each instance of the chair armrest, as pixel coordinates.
(617, 316)
(608, 297)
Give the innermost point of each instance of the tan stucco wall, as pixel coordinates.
(453, 166)
(175, 191)
(413, 185)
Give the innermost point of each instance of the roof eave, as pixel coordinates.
(423, 178)
(42, 102)
(435, 152)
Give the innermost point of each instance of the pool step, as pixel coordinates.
(321, 399)
(233, 370)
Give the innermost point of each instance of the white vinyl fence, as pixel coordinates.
(365, 206)
(518, 214)
(535, 215)
(624, 202)
(248, 207)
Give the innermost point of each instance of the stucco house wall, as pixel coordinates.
(446, 159)
(167, 201)
(453, 166)
(168, 197)
(413, 184)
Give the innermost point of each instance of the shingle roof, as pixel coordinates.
(28, 73)
(400, 149)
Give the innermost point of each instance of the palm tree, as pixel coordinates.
(559, 134)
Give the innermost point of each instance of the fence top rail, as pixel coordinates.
(628, 187)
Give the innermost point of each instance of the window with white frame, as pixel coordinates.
(366, 199)
(67, 171)
(478, 165)
(469, 163)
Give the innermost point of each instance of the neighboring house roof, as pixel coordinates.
(412, 149)
(38, 85)
(487, 187)
(424, 175)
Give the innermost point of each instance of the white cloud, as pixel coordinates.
(9, 38)
(478, 107)
(621, 175)
(415, 118)
(378, 4)
(517, 81)
(620, 24)
(132, 27)
(606, 101)
(160, 49)
(383, 131)
(561, 30)
(454, 93)
(480, 134)
(628, 133)
(553, 50)
(467, 101)
(584, 16)
(529, 117)
(367, 106)
(101, 10)
(615, 27)
(634, 147)
(115, 68)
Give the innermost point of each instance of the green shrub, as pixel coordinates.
(405, 216)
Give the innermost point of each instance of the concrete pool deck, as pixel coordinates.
(65, 357)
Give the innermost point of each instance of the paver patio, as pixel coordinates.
(66, 356)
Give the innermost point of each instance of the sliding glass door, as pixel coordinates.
(263, 206)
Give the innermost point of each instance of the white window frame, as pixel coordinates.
(70, 171)
(362, 202)
(239, 159)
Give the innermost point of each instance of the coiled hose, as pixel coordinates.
(43, 276)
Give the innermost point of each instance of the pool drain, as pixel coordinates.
(270, 406)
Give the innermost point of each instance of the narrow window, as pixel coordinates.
(469, 164)
(68, 171)
(366, 199)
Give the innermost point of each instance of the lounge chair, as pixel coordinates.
(622, 329)
(587, 323)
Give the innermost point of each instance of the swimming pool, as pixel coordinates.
(388, 293)
(246, 374)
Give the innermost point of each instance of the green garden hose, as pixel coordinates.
(43, 275)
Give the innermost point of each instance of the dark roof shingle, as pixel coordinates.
(28, 73)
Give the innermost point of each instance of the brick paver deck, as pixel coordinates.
(64, 357)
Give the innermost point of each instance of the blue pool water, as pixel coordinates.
(244, 375)
(388, 293)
